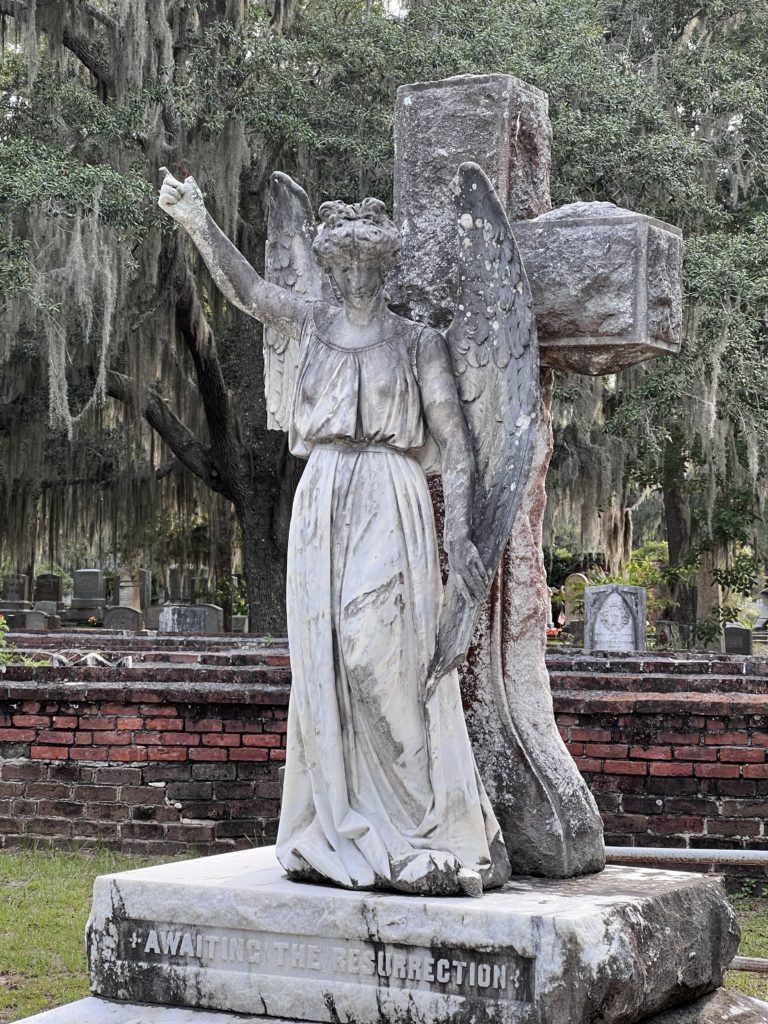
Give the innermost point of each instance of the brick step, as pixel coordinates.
(102, 639)
(657, 683)
(680, 664)
(142, 673)
(614, 702)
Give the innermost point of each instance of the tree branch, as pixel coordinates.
(90, 55)
(179, 438)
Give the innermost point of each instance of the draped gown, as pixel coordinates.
(380, 787)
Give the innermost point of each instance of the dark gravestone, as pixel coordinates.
(738, 640)
(89, 589)
(48, 588)
(14, 589)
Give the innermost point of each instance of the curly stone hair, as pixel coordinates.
(360, 231)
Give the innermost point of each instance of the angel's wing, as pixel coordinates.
(495, 355)
(291, 264)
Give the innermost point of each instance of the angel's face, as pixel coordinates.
(359, 281)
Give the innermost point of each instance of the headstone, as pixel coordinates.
(152, 616)
(48, 587)
(199, 587)
(239, 623)
(24, 621)
(738, 640)
(88, 591)
(123, 617)
(671, 634)
(15, 591)
(573, 596)
(196, 618)
(135, 588)
(46, 607)
(614, 618)
(175, 584)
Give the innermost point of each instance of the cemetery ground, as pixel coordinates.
(45, 897)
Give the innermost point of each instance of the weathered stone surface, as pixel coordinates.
(738, 640)
(614, 618)
(103, 1011)
(719, 1008)
(606, 283)
(48, 587)
(89, 590)
(15, 589)
(121, 617)
(232, 932)
(496, 121)
(197, 618)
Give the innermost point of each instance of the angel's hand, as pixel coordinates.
(182, 200)
(467, 565)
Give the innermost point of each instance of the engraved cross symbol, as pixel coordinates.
(135, 939)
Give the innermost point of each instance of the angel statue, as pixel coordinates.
(381, 790)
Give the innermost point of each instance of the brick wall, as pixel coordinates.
(96, 757)
(674, 749)
(183, 748)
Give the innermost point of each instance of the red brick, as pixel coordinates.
(264, 739)
(147, 738)
(209, 753)
(28, 720)
(52, 753)
(130, 723)
(113, 738)
(204, 725)
(216, 739)
(168, 754)
(626, 768)
(18, 735)
(759, 739)
(96, 722)
(83, 739)
(652, 753)
(606, 750)
(64, 722)
(574, 749)
(695, 754)
(166, 724)
(567, 719)
(665, 824)
(278, 755)
(584, 764)
(676, 738)
(158, 712)
(671, 768)
(88, 753)
(755, 771)
(128, 754)
(282, 727)
(249, 754)
(55, 736)
(718, 771)
(742, 754)
(31, 706)
(734, 739)
(590, 735)
(715, 725)
(180, 739)
(116, 709)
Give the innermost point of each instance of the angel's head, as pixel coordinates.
(356, 244)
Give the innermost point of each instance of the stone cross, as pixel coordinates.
(606, 285)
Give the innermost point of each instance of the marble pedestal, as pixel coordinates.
(231, 933)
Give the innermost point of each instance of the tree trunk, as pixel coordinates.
(263, 566)
(677, 518)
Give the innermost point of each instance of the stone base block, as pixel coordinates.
(719, 1008)
(104, 1011)
(232, 933)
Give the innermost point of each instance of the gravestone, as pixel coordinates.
(573, 596)
(671, 634)
(174, 584)
(614, 618)
(123, 617)
(197, 618)
(15, 592)
(32, 621)
(152, 616)
(738, 639)
(46, 607)
(48, 587)
(134, 588)
(89, 590)
(239, 623)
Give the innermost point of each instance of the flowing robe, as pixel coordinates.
(381, 788)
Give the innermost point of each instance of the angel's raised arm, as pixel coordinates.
(282, 310)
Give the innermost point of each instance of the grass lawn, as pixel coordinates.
(45, 898)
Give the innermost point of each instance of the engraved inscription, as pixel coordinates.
(499, 974)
